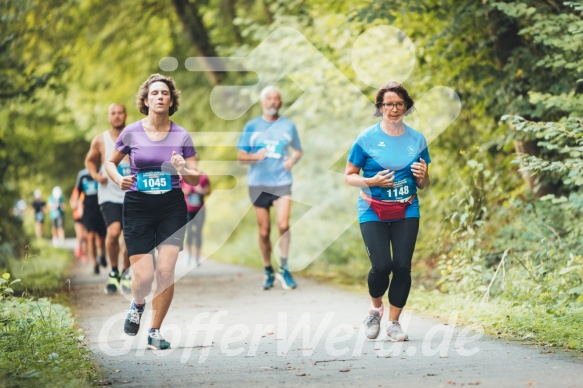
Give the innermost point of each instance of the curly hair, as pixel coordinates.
(394, 87)
(145, 87)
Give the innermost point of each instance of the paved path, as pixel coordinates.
(226, 331)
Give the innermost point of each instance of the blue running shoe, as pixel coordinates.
(285, 278)
(156, 342)
(268, 280)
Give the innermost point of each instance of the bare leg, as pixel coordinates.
(124, 254)
(377, 302)
(143, 269)
(394, 312)
(91, 249)
(264, 224)
(112, 243)
(282, 211)
(39, 230)
(165, 266)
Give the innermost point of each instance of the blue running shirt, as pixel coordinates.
(375, 151)
(276, 137)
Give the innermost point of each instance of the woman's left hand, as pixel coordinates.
(178, 162)
(419, 169)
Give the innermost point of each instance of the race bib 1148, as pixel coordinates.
(401, 190)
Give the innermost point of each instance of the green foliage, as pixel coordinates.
(44, 273)
(39, 342)
(564, 139)
(6, 285)
(39, 345)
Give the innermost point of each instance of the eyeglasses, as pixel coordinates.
(388, 105)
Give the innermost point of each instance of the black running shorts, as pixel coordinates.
(112, 212)
(263, 196)
(93, 220)
(150, 220)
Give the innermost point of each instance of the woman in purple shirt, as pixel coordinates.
(154, 210)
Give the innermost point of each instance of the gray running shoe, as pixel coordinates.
(372, 324)
(395, 332)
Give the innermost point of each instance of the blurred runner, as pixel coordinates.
(111, 196)
(56, 204)
(76, 203)
(265, 144)
(38, 205)
(91, 218)
(194, 197)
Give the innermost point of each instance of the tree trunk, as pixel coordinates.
(192, 22)
(231, 14)
(268, 14)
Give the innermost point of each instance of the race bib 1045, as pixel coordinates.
(154, 182)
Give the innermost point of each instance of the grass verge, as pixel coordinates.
(40, 344)
(504, 318)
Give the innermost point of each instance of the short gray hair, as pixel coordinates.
(269, 89)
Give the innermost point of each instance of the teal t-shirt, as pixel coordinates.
(276, 137)
(375, 151)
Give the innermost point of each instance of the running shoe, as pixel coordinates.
(131, 324)
(286, 279)
(78, 251)
(156, 342)
(268, 280)
(112, 283)
(372, 324)
(395, 332)
(125, 284)
(96, 269)
(102, 261)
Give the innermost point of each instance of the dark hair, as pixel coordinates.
(143, 93)
(394, 87)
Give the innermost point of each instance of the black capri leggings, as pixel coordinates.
(379, 238)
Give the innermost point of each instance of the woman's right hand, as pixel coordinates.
(383, 178)
(126, 182)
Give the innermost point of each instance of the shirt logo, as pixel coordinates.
(411, 150)
(381, 144)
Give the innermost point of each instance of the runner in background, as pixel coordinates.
(56, 204)
(91, 218)
(76, 203)
(111, 196)
(265, 144)
(38, 205)
(194, 197)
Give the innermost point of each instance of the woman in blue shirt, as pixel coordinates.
(394, 161)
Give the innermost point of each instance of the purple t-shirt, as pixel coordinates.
(148, 155)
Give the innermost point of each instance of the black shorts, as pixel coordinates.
(58, 222)
(150, 220)
(93, 220)
(263, 196)
(111, 212)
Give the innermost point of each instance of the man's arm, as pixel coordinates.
(293, 159)
(246, 157)
(93, 159)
